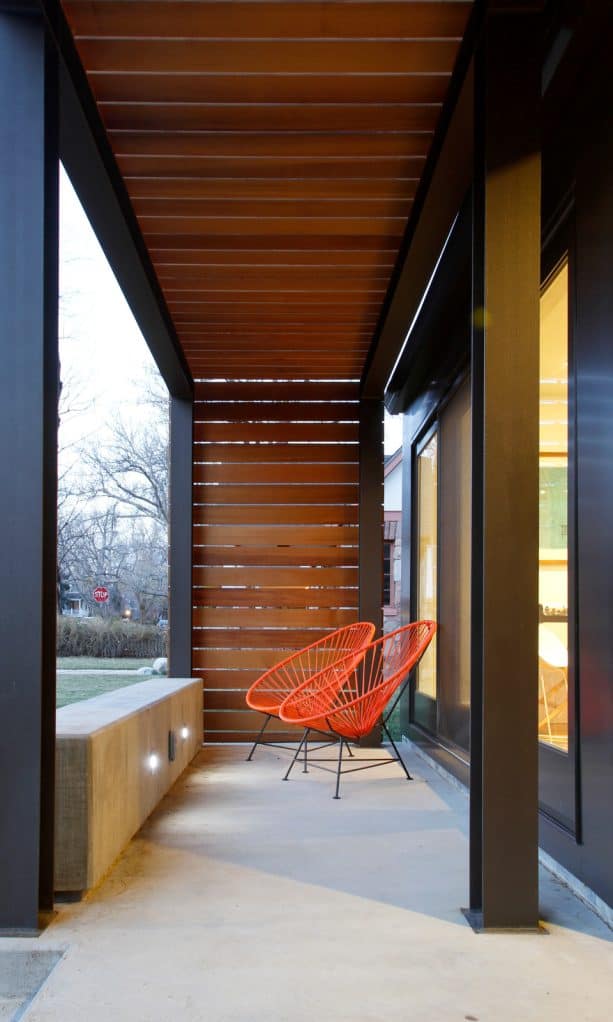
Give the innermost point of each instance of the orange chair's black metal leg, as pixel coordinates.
(340, 763)
(260, 733)
(305, 768)
(348, 747)
(398, 756)
(297, 753)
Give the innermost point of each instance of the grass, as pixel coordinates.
(72, 688)
(84, 663)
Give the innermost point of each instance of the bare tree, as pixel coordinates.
(130, 466)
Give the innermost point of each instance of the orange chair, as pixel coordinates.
(268, 692)
(348, 698)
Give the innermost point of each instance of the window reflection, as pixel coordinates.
(553, 512)
(427, 519)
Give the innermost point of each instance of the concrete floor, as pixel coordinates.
(247, 899)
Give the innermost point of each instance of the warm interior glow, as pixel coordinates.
(153, 762)
(427, 519)
(553, 512)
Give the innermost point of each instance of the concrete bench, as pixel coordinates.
(113, 766)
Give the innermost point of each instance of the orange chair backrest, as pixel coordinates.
(298, 667)
(352, 693)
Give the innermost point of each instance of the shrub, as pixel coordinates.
(101, 637)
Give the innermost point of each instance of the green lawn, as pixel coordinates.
(84, 663)
(72, 688)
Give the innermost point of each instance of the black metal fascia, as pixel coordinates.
(89, 161)
(439, 341)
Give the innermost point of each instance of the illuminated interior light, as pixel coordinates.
(184, 732)
(153, 762)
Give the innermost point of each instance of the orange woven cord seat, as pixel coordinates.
(349, 697)
(270, 690)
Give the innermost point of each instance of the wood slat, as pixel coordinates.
(278, 226)
(284, 412)
(254, 145)
(271, 535)
(270, 453)
(210, 206)
(182, 116)
(231, 659)
(215, 680)
(306, 432)
(249, 617)
(249, 556)
(298, 598)
(338, 493)
(220, 680)
(219, 699)
(218, 719)
(241, 345)
(149, 87)
(262, 248)
(286, 56)
(283, 514)
(287, 391)
(345, 167)
(253, 638)
(210, 189)
(215, 340)
(267, 306)
(254, 372)
(253, 20)
(178, 257)
(282, 577)
(276, 474)
(201, 278)
(217, 737)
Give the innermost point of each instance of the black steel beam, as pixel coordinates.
(505, 381)
(370, 557)
(90, 164)
(180, 539)
(371, 513)
(28, 471)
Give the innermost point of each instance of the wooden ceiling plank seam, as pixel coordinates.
(410, 118)
(291, 145)
(252, 56)
(247, 19)
(267, 87)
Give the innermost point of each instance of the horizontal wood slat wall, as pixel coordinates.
(275, 554)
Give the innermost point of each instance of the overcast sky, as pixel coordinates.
(104, 356)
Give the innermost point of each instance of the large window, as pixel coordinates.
(553, 511)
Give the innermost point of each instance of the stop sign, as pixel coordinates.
(101, 594)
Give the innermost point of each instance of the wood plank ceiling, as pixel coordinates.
(271, 151)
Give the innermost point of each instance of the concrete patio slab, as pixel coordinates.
(244, 899)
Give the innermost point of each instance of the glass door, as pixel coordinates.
(555, 632)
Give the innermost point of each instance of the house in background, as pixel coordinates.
(392, 507)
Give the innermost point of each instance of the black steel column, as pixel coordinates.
(28, 469)
(180, 539)
(505, 380)
(371, 512)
